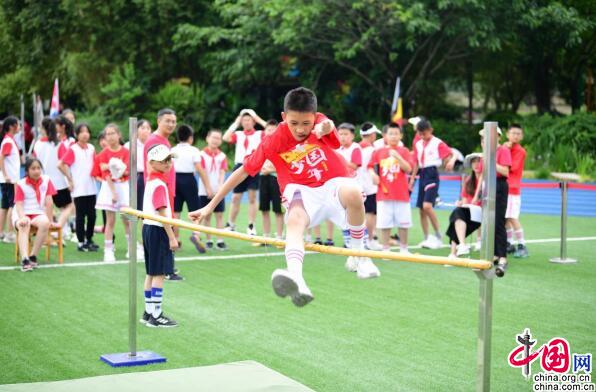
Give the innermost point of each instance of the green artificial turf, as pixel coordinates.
(413, 329)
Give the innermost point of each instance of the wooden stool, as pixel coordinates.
(48, 243)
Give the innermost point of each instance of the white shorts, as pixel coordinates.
(104, 197)
(320, 203)
(393, 213)
(513, 206)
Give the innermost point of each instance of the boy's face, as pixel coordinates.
(515, 135)
(269, 129)
(167, 123)
(426, 135)
(162, 166)
(214, 140)
(247, 122)
(393, 136)
(370, 138)
(346, 137)
(300, 123)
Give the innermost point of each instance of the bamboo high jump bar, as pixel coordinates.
(334, 250)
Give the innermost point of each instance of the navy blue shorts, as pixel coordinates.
(269, 194)
(248, 183)
(220, 207)
(187, 191)
(159, 258)
(140, 190)
(428, 186)
(7, 195)
(370, 204)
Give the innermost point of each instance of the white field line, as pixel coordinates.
(247, 255)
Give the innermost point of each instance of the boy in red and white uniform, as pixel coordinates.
(245, 141)
(314, 184)
(33, 207)
(215, 164)
(430, 153)
(388, 168)
(515, 135)
(10, 167)
(368, 133)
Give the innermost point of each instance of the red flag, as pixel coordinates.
(55, 106)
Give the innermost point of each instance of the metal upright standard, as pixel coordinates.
(563, 259)
(485, 298)
(132, 357)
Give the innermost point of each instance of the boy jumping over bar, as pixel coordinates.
(315, 186)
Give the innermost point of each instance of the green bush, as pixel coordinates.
(123, 92)
(188, 101)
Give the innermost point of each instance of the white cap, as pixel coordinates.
(414, 120)
(470, 158)
(159, 153)
(370, 131)
(481, 133)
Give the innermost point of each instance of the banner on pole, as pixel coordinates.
(55, 107)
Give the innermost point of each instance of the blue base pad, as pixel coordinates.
(124, 359)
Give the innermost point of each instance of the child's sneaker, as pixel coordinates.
(230, 227)
(221, 245)
(285, 284)
(521, 252)
(161, 322)
(9, 238)
(329, 242)
(209, 244)
(404, 251)
(462, 250)
(318, 241)
(108, 256)
(476, 247)
(251, 230)
(198, 246)
(26, 266)
(145, 317)
(174, 277)
(366, 268)
(434, 242)
(92, 246)
(374, 245)
(33, 262)
(351, 264)
(510, 248)
(83, 248)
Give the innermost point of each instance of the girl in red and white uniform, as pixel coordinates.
(33, 207)
(111, 168)
(77, 165)
(10, 165)
(63, 199)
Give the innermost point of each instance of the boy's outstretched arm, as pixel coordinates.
(235, 178)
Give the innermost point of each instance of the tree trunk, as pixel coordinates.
(542, 88)
(470, 87)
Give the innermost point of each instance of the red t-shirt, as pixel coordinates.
(393, 181)
(105, 156)
(311, 162)
(152, 140)
(518, 157)
(465, 196)
(503, 158)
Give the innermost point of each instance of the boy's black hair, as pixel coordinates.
(184, 132)
(31, 161)
(209, 132)
(164, 111)
(301, 100)
(80, 127)
(271, 121)
(423, 124)
(515, 125)
(366, 126)
(390, 125)
(348, 126)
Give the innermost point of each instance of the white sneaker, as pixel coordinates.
(108, 256)
(366, 268)
(374, 245)
(434, 243)
(252, 231)
(477, 245)
(405, 251)
(140, 252)
(73, 238)
(463, 250)
(351, 264)
(425, 243)
(285, 284)
(9, 238)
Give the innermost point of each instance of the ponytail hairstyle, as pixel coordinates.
(68, 126)
(7, 123)
(50, 127)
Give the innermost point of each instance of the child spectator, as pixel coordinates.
(269, 194)
(430, 153)
(33, 208)
(461, 222)
(143, 132)
(388, 168)
(515, 135)
(215, 164)
(62, 199)
(77, 165)
(246, 142)
(158, 239)
(10, 166)
(187, 162)
(111, 167)
(315, 187)
(368, 133)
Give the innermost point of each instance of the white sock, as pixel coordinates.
(356, 236)
(108, 245)
(519, 236)
(156, 298)
(294, 259)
